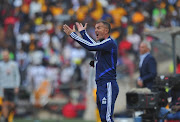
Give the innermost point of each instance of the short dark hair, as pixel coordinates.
(107, 24)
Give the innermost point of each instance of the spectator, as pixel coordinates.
(135, 40)
(95, 9)
(10, 82)
(66, 75)
(117, 13)
(82, 11)
(57, 9)
(23, 62)
(137, 17)
(124, 46)
(37, 80)
(127, 61)
(34, 8)
(158, 14)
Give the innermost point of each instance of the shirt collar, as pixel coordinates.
(104, 39)
(144, 55)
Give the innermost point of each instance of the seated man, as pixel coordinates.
(174, 108)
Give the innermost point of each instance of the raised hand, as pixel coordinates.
(68, 30)
(80, 27)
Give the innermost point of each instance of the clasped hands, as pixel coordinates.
(79, 26)
(140, 83)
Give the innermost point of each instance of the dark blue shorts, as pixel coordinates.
(9, 95)
(107, 92)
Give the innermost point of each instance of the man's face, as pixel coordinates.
(5, 56)
(100, 31)
(143, 48)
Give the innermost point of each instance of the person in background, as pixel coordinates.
(9, 81)
(173, 112)
(147, 66)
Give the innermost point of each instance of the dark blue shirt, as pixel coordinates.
(106, 55)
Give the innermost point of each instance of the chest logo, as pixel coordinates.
(104, 100)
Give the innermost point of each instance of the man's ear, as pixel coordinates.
(107, 31)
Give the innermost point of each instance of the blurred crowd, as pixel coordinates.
(32, 31)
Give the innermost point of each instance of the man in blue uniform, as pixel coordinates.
(106, 58)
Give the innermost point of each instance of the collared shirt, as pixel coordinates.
(142, 57)
(9, 74)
